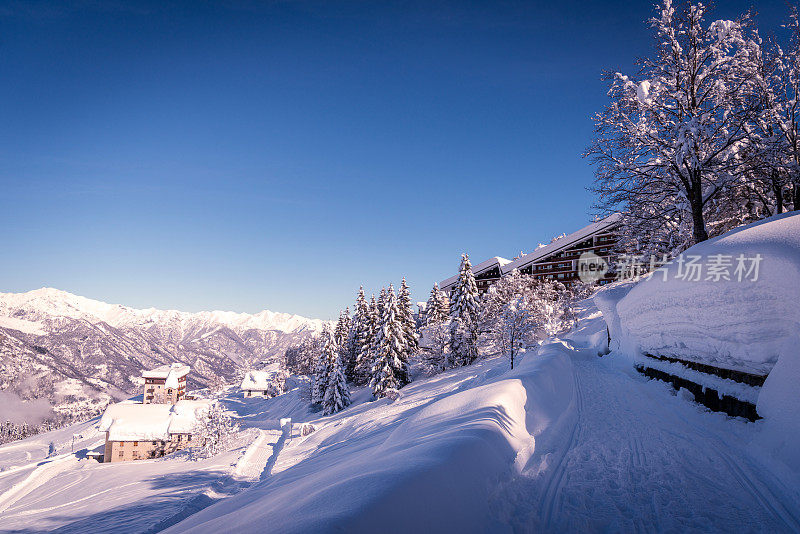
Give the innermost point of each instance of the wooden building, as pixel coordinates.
(560, 260)
(486, 273)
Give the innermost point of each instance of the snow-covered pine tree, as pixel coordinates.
(390, 369)
(464, 311)
(321, 367)
(429, 307)
(366, 353)
(379, 315)
(407, 319)
(342, 327)
(358, 337)
(437, 309)
(342, 336)
(337, 396)
(443, 301)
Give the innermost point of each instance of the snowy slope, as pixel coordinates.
(79, 353)
(568, 441)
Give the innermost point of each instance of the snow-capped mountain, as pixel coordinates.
(79, 353)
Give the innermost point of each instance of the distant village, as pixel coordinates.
(167, 419)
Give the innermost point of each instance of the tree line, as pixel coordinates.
(377, 344)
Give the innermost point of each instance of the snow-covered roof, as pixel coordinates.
(257, 380)
(148, 422)
(495, 261)
(564, 242)
(167, 371)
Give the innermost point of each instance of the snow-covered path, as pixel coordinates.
(632, 457)
(253, 464)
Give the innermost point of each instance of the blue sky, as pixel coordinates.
(247, 155)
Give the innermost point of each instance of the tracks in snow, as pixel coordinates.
(552, 489)
(260, 457)
(40, 474)
(634, 458)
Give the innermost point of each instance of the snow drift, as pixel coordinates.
(442, 461)
(743, 325)
(747, 323)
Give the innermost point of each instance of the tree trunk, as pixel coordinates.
(696, 201)
(777, 189)
(796, 199)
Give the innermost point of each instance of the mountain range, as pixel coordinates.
(80, 353)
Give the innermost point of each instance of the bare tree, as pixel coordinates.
(673, 138)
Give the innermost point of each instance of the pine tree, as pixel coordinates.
(407, 319)
(337, 396)
(390, 370)
(342, 327)
(443, 304)
(366, 355)
(379, 315)
(464, 312)
(342, 336)
(358, 338)
(437, 308)
(321, 367)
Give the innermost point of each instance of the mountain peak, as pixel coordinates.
(47, 301)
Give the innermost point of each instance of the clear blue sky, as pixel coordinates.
(247, 155)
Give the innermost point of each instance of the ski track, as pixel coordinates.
(634, 461)
(555, 483)
(40, 475)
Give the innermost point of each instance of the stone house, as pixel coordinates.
(137, 431)
(165, 384)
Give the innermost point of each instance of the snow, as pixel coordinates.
(175, 370)
(752, 325)
(567, 441)
(147, 422)
(28, 327)
(257, 380)
(54, 302)
(743, 325)
(643, 92)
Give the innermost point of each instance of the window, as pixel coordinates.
(121, 454)
(135, 443)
